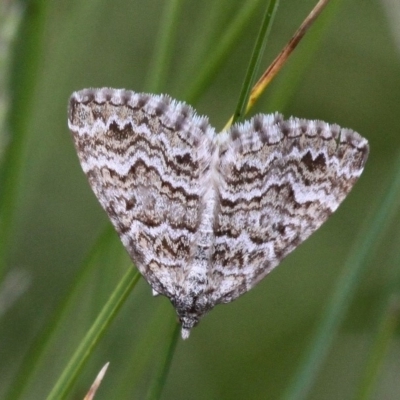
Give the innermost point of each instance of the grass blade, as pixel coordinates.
(42, 341)
(281, 59)
(139, 361)
(255, 59)
(383, 338)
(164, 366)
(250, 97)
(86, 347)
(25, 72)
(10, 18)
(215, 60)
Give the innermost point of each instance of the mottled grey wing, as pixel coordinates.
(278, 182)
(145, 158)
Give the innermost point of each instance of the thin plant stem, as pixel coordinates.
(160, 377)
(277, 64)
(293, 74)
(281, 59)
(385, 332)
(383, 338)
(96, 384)
(93, 336)
(216, 59)
(255, 59)
(140, 362)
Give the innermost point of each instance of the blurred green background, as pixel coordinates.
(346, 70)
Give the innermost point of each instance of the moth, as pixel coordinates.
(206, 216)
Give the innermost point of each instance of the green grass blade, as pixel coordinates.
(364, 246)
(95, 333)
(164, 44)
(384, 337)
(255, 60)
(139, 361)
(25, 72)
(164, 366)
(10, 18)
(43, 340)
(216, 59)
